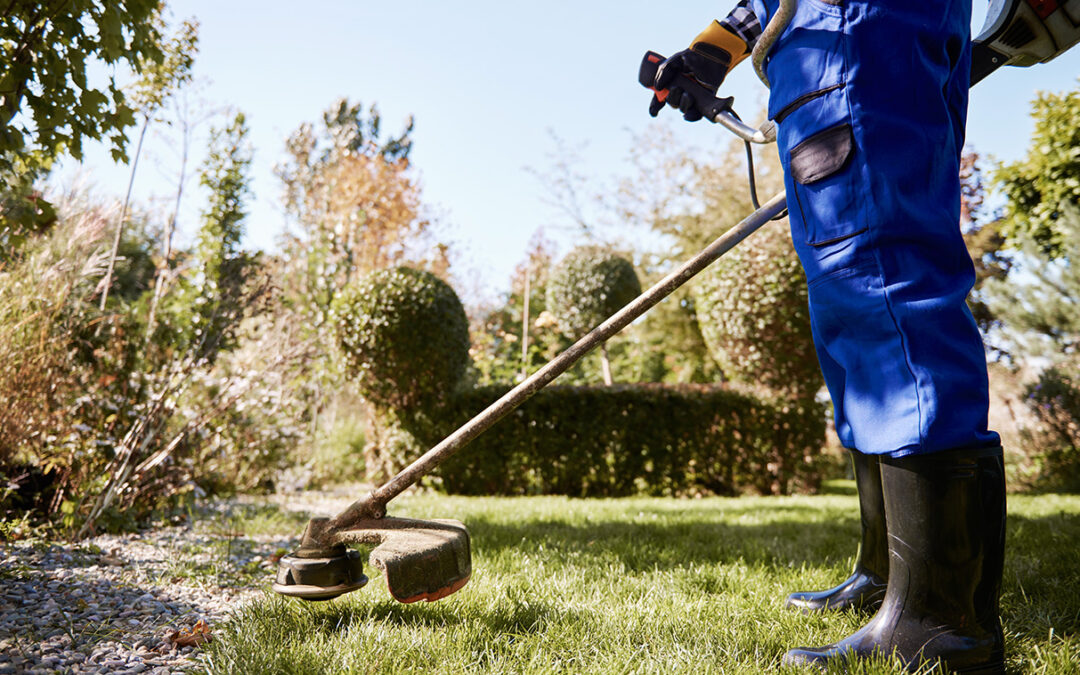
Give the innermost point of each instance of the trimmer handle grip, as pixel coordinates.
(708, 103)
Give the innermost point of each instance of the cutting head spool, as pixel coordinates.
(315, 575)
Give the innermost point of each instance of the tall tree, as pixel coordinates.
(354, 199)
(1041, 186)
(354, 206)
(208, 303)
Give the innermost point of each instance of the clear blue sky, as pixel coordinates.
(486, 82)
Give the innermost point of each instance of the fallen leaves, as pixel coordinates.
(191, 637)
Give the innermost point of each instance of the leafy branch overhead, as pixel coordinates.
(48, 104)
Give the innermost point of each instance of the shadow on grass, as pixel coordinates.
(644, 546)
(1039, 590)
(513, 617)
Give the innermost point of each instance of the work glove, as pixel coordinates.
(709, 59)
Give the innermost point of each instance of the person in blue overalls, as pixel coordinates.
(870, 98)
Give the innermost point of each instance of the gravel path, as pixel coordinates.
(128, 603)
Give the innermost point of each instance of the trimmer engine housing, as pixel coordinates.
(1023, 33)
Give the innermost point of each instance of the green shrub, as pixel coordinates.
(405, 339)
(1055, 445)
(628, 439)
(404, 336)
(589, 285)
(752, 309)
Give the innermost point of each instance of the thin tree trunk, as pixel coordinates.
(123, 215)
(163, 269)
(605, 364)
(525, 330)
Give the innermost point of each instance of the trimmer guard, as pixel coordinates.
(421, 559)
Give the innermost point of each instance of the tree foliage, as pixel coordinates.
(405, 340)
(590, 284)
(497, 331)
(1054, 400)
(688, 196)
(745, 318)
(48, 104)
(1038, 305)
(1042, 185)
(208, 301)
(354, 200)
(160, 79)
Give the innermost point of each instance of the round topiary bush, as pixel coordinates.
(752, 309)
(404, 335)
(589, 285)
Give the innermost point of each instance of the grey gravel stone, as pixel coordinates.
(109, 604)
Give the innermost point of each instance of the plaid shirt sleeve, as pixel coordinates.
(743, 22)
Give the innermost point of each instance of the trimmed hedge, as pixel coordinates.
(634, 439)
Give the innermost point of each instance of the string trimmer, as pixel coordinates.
(428, 560)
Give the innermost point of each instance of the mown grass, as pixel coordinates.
(643, 586)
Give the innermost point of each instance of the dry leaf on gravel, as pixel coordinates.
(191, 637)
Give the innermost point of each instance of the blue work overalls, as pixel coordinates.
(871, 98)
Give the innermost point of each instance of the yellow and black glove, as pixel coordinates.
(709, 59)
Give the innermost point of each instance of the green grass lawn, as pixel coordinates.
(643, 586)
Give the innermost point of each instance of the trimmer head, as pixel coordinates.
(421, 559)
(320, 577)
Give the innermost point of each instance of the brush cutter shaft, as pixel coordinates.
(374, 504)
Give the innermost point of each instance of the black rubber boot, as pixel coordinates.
(946, 515)
(865, 588)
